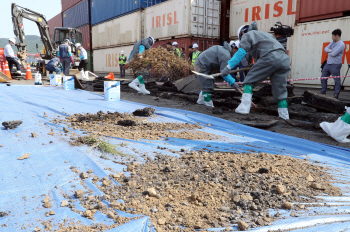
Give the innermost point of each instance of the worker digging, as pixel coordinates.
(271, 61)
(214, 58)
(175, 115)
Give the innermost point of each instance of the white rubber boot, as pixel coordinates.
(200, 100)
(283, 109)
(246, 103)
(207, 99)
(143, 89)
(82, 76)
(135, 85)
(283, 113)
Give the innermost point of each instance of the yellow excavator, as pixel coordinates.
(50, 45)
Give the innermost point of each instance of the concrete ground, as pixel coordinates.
(281, 127)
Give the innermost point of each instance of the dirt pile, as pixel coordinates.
(202, 190)
(162, 62)
(124, 125)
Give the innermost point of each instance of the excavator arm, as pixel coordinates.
(18, 13)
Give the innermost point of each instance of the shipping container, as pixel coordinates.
(86, 31)
(120, 31)
(309, 42)
(55, 22)
(107, 60)
(183, 18)
(66, 4)
(77, 16)
(312, 10)
(105, 10)
(203, 43)
(265, 12)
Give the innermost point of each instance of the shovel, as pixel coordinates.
(219, 74)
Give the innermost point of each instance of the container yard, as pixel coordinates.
(175, 115)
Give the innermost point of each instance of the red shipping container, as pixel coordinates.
(66, 4)
(203, 43)
(86, 31)
(55, 22)
(313, 10)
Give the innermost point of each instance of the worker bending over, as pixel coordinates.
(139, 47)
(65, 55)
(215, 58)
(83, 61)
(271, 60)
(54, 65)
(10, 56)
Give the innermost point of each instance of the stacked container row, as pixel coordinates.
(66, 4)
(55, 22)
(183, 21)
(77, 16)
(105, 10)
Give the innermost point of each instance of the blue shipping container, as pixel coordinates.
(77, 16)
(105, 10)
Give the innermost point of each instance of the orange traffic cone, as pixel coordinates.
(110, 76)
(7, 70)
(29, 73)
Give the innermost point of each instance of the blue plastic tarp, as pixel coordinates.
(25, 183)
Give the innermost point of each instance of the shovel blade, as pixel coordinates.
(203, 75)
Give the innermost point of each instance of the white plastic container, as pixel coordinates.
(68, 83)
(55, 79)
(112, 90)
(38, 80)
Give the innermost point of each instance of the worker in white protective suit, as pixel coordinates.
(83, 62)
(340, 129)
(139, 47)
(214, 58)
(271, 60)
(10, 56)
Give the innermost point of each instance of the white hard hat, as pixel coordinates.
(175, 44)
(237, 43)
(232, 42)
(243, 28)
(195, 46)
(122, 52)
(12, 40)
(151, 38)
(77, 45)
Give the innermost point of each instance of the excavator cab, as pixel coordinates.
(62, 33)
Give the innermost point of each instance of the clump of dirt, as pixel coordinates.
(146, 112)
(203, 190)
(12, 124)
(124, 125)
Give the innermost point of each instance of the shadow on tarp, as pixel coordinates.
(24, 183)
